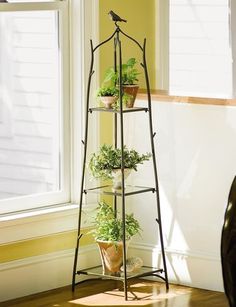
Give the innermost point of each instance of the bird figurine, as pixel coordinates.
(115, 17)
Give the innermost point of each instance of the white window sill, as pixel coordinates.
(23, 216)
(31, 224)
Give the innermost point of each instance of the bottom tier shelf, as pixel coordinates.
(143, 271)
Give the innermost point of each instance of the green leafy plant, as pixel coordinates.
(108, 158)
(111, 76)
(128, 71)
(108, 226)
(107, 91)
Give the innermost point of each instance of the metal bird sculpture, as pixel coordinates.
(115, 17)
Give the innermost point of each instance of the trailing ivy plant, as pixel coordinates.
(103, 163)
(109, 227)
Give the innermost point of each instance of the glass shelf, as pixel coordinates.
(127, 110)
(129, 190)
(143, 271)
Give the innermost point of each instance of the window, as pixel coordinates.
(200, 59)
(34, 105)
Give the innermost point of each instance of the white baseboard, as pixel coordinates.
(41, 273)
(194, 269)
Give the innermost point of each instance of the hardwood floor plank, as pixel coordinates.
(110, 293)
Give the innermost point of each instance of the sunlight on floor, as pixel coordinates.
(140, 294)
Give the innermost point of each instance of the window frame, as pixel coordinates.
(44, 221)
(36, 201)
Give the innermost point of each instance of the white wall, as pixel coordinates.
(196, 164)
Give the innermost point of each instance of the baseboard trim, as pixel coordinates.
(191, 268)
(41, 273)
(181, 253)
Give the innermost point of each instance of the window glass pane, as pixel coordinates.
(29, 103)
(200, 62)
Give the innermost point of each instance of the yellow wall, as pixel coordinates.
(43, 245)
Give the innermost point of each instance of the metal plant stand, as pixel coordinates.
(125, 190)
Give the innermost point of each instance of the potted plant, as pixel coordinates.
(108, 233)
(106, 164)
(108, 95)
(128, 79)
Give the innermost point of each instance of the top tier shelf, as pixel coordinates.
(126, 110)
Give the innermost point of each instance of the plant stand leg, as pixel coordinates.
(85, 143)
(152, 136)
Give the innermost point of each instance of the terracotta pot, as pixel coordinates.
(111, 255)
(117, 177)
(108, 101)
(131, 90)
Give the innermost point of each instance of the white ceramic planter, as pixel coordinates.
(117, 177)
(108, 101)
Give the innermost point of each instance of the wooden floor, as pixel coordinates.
(108, 293)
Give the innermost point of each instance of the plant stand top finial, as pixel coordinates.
(116, 18)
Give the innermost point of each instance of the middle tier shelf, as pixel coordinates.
(125, 110)
(129, 190)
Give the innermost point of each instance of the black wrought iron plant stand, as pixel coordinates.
(125, 190)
